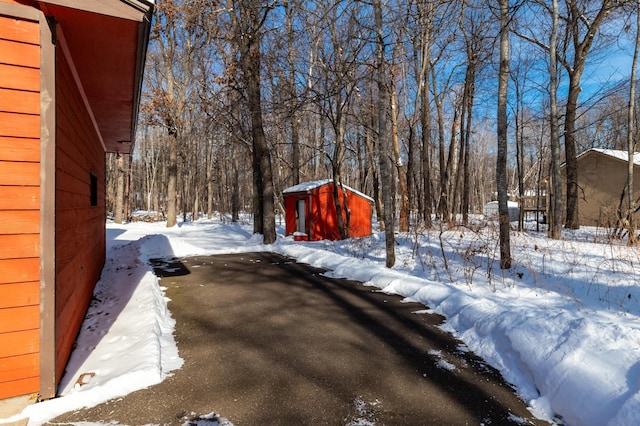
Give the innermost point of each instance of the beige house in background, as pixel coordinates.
(602, 178)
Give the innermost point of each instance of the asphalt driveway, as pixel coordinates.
(268, 341)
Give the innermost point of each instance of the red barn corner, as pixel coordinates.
(310, 211)
(70, 82)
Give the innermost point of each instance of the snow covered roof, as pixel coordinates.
(306, 186)
(310, 186)
(615, 153)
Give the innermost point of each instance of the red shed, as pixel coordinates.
(70, 81)
(311, 211)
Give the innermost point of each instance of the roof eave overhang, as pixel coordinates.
(144, 31)
(132, 10)
(139, 13)
(592, 151)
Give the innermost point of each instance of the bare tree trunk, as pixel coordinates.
(128, 195)
(209, 177)
(336, 162)
(555, 197)
(571, 162)
(466, 184)
(262, 151)
(182, 184)
(402, 173)
(172, 179)
(248, 17)
(235, 185)
(575, 70)
(156, 195)
(410, 176)
(384, 138)
(465, 126)
(168, 52)
(456, 198)
(293, 116)
(318, 141)
(501, 163)
(519, 155)
(631, 131)
(196, 203)
(426, 13)
(443, 208)
(372, 149)
(341, 207)
(258, 206)
(117, 214)
(425, 121)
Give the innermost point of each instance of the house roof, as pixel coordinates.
(308, 187)
(613, 153)
(107, 40)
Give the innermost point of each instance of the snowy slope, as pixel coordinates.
(563, 325)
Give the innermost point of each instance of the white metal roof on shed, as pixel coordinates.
(615, 153)
(307, 187)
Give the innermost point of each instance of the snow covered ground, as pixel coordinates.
(562, 325)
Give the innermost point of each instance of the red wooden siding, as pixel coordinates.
(19, 206)
(80, 235)
(322, 219)
(13, 77)
(19, 294)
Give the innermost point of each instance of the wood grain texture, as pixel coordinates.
(18, 367)
(19, 101)
(26, 221)
(20, 81)
(20, 54)
(19, 125)
(80, 235)
(19, 246)
(19, 319)
(19, 270)
(19, 174)
(19, 343)
(19, 197)
(19, 30)
(19, 387)
(20, 78)
(19, 294)
(19, 149)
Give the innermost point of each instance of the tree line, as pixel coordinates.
(432, 107)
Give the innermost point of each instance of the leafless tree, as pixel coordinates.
(384, 135)
(425, 10)
(501, 162)
(474, 30)
(582, 29)
(245, 98)
(335, 88)
(177, 36)
(119, 207)
(631, 132)
(248, 18)
(555, 216)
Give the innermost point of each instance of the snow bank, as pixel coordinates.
(568, 361)
(563, 325)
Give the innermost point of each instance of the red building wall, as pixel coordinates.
(80, 234)
(19, 206)
(52, 171)
(322, 219)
